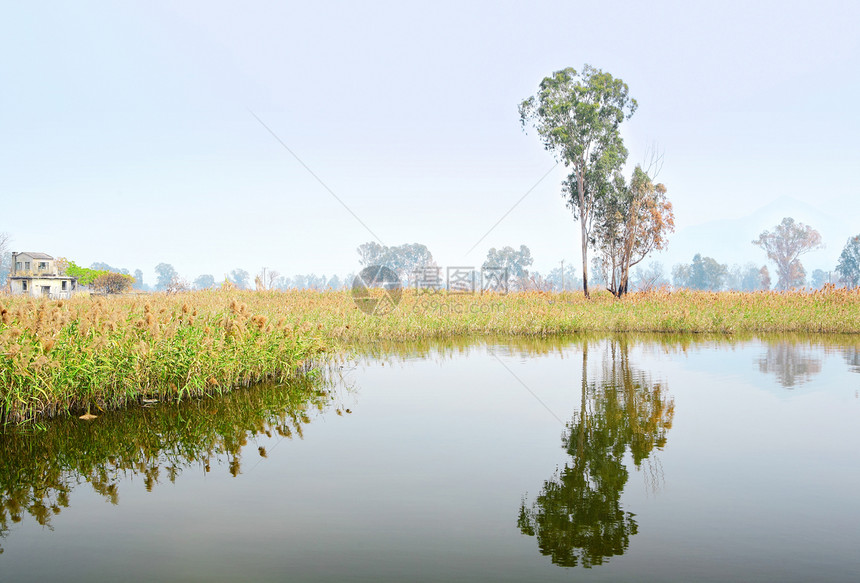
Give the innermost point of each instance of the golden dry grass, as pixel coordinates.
(103, 353)
(83, 354)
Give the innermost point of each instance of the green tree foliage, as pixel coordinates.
(578, 116)
(240, 278)
(704, 273)
(818, 279)
(206, 281)
(745, 277)
(516, 261)
(578, 518)
(138, 279)
(101, 280)
(300, 281)
(404, 259)
(848, 266)
(555, 278)
(309, 281)
(101, 266)
(784, 246)
(707, 273)
(166, 276)
(372, 253)
(84, 275)
(314, 281)
(680, 275)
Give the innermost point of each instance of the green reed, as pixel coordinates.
(58, 357)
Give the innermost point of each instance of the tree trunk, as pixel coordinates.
(623, 277)
(583, 221)
(631, 233)
(584, 261)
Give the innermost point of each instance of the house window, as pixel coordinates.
(17, 266)
(43, 265)
(24, 286)
(27, 265)
(64, 285)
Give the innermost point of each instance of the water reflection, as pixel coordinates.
(852, 358)
(792, 363)
(441, 349)
(39, 469)
(578, 518)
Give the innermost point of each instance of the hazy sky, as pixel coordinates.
(127, 134)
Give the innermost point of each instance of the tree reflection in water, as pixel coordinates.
(578, 518)
(39, 469)
(791, 362)
(852, 358)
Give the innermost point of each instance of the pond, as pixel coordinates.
(654, 458)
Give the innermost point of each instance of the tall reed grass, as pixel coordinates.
(96, 354)
(90, 355)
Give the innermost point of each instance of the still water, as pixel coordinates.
(600, 458)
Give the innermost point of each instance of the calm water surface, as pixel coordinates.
(618, 458)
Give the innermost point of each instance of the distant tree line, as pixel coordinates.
(783, 245)
(270, 279)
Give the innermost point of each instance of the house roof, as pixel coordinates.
(36, 255)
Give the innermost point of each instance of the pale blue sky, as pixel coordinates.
(126, 134)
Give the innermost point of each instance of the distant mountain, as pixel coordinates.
(730, 240)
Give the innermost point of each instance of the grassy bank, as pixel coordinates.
(74, 355)
(100, 354)
(538, 313)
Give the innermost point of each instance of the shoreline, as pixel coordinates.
(59, 357)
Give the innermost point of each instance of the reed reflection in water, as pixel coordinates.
(39, 469)
(426, 480)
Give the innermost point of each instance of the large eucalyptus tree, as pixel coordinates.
(577, 116)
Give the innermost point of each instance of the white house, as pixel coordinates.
(36, 274)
